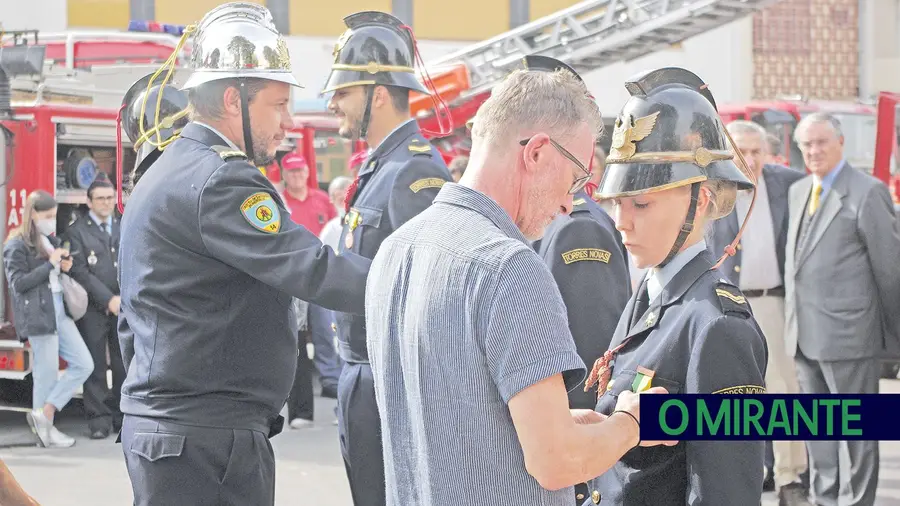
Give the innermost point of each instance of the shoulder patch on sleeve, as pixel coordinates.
(261, 211)
(731, 300)
(585, 254)
(742, 389)
(229, 154)
(427, 182)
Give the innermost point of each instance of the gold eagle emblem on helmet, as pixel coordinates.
(629, 131)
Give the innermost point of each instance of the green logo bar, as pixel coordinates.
(750, 417)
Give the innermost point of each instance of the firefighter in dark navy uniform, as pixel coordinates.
(687, 328)
(372, 75)
(585, 254)
(94, 238)
(209, 265)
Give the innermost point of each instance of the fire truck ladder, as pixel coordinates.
(595, 33)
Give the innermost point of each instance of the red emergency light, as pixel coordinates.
(154, 27)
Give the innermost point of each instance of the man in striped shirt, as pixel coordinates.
(467, 332)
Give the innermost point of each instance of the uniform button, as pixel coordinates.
(113, 250)
(579, 497)
(595, 496)
(334, 326)
(737, 268)
(738, 247)
(115, 264)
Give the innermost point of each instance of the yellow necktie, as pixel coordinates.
(814, 199)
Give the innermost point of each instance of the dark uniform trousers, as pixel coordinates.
(301, 401)
(101, 404)
(398, 181)
(697, 336)
(360, 435)
(210, 265)
(95, 266)
(171, 464)
(585, 254)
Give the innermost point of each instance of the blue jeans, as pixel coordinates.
(327, 361)
(49, 386)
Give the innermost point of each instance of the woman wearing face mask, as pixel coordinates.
(686, 328)
(33, 262)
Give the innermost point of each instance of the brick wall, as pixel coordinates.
(806, 47)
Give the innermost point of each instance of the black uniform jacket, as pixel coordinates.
(209, 263)
(398, 181)
(585, 254)
(94, 260)
(698, 336)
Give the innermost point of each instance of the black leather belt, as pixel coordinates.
(778, 291)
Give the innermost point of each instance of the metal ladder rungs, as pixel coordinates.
(592, 34)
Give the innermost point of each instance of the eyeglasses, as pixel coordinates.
(579, 182)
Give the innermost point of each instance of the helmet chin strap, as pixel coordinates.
(245, 119)
(686, 228)
(363, 130)
(367, 114)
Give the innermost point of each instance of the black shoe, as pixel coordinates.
(769, 482)
(99, 434)
(793, 494)
(329, 392)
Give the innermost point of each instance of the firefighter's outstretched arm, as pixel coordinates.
(244, 223)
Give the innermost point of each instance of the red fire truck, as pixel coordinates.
(886, 146)
(58, 130)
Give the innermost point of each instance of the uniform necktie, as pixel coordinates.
(103, 226)
(814, 198)
(641, 304)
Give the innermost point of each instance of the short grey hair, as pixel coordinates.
(818, 118)
(338, 184)
(743, 127)
(557, 103)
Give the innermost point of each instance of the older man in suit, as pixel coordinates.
(842, 279)
(758, 269)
